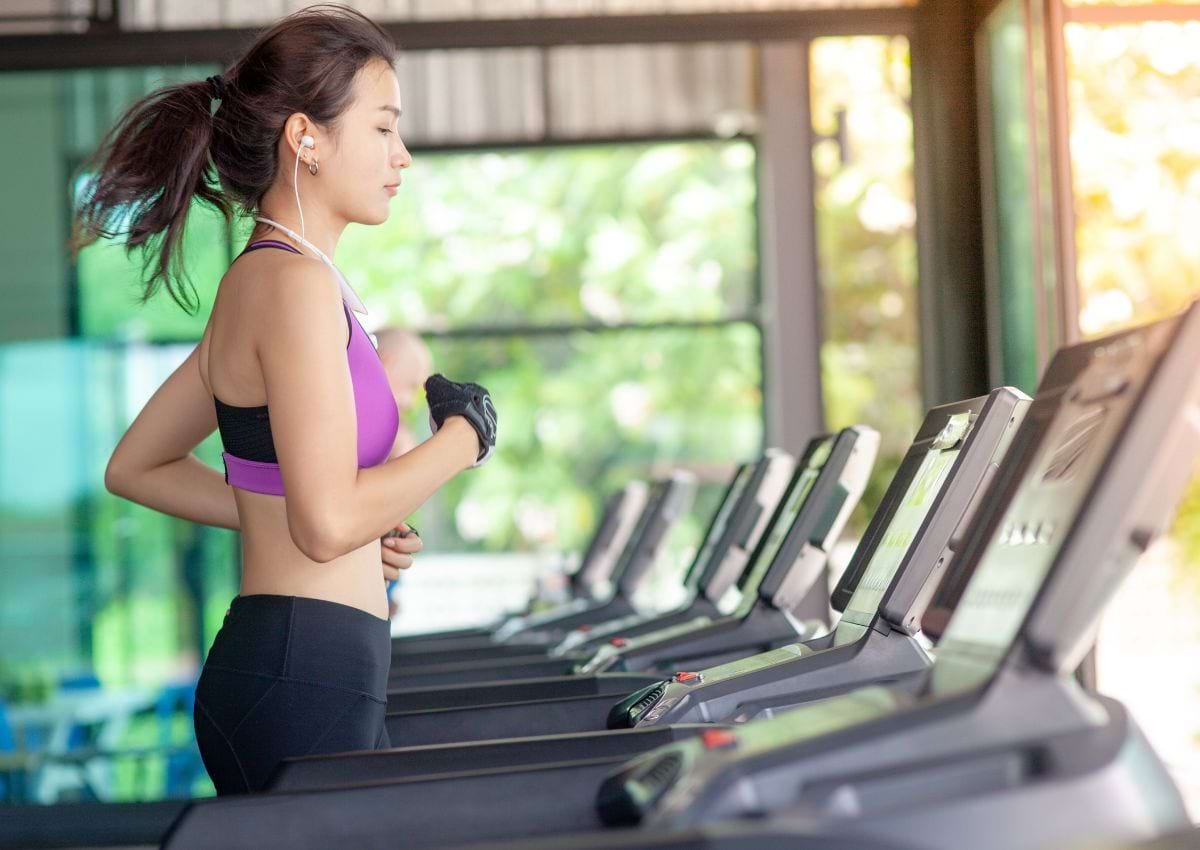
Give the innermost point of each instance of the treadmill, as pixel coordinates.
(998, 747)
(907, 548)
(754, 834)
(744, 510)
(612, 535)
(736, 531)
(668, 500)
(773, 596)
(918, 532)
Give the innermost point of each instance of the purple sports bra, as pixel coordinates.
(249, 456)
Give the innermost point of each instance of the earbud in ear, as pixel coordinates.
(307, 142)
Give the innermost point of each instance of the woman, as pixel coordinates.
(300, 665)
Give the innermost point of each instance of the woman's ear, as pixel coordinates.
(299, 135)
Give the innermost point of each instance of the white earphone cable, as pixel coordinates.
(348, 293)
(296, 188)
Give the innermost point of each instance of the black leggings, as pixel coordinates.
(289, 676)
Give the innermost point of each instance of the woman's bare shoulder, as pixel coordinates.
(293, 295)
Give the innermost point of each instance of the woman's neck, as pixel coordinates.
(319, 229)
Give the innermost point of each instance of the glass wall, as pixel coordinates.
(1129, 80)
(607, 294)
(1134, 94)
(866, 220)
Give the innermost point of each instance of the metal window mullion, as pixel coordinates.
(1045, 345)
(991, 224)
(792, 332)
(952, 301)
(527, 331)
(1062, 184)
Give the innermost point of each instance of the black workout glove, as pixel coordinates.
(470, 401)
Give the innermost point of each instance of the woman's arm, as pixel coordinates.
(153, 464)
(333, 506)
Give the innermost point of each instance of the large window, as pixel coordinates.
(606, 294)
(866, 220)
(1092, 177)
(1135, 149)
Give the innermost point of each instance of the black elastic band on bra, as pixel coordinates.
(246, 431)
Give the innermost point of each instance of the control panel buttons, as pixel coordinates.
(718, 739)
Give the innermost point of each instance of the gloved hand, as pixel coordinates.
(470, 401)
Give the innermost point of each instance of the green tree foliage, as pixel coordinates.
(867, 248)
(509, 250)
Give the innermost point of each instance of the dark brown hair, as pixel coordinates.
(157, 156)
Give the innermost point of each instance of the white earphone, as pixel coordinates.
(349, 296)
(305, 142)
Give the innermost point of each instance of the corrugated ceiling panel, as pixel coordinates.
(176, 14)
(467, 97)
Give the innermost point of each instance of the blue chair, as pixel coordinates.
(80, 735)
(183, 763)
(9, 781)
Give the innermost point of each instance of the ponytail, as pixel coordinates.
(146, 171)
(170, 146)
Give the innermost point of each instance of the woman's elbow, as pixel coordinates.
(116, 479)
(318, 538)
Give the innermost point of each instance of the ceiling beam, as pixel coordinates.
(111, 47)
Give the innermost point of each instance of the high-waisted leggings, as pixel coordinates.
(289, 676)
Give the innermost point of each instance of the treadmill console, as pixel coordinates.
(920, 479)
(1115, 421)
(616, 526)
(734, 493)
(608, 657)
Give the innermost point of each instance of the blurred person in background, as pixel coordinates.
(408, 363)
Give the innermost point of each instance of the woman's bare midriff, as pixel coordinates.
(271, 562)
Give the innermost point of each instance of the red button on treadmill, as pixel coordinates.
(618, 642)
(584, 628)
(718, 739)
(688, 678)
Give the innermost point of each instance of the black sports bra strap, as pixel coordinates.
(269, 243)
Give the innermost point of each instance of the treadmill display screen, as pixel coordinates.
(653, 508)
(717, 529)
(786, 516)
(599, 552)
(902, 530)
(1049, 498)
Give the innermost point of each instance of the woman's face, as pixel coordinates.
(359, 168)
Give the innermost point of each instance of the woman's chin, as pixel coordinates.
(378, 215)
